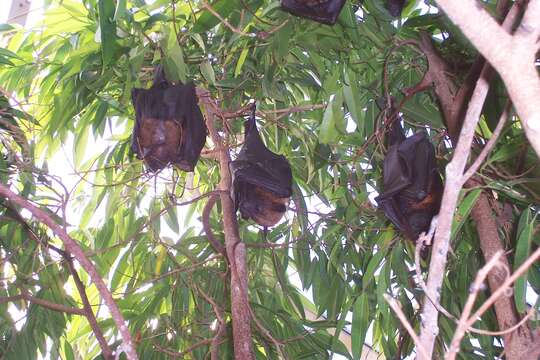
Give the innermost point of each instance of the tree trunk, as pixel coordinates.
(520, 344)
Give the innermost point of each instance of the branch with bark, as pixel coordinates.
(512, 55)
(234, 247)
(87, 308)
(73, 247)
(462, 120)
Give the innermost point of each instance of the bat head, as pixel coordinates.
(263, 207)
(323, 11)
(159, 142)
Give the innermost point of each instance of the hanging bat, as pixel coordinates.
(395, 7)
(261, 179)
(169, 126)
(323, 11)
(412, 184)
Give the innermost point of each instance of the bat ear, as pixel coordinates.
(159, 76)
(250, 124)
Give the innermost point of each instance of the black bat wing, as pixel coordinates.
(410, 173)
(275, 177)
(392, 208)
(165, 101)
(257, 165)
(323, 11)
(138, 104)
(418, 156)
(182, 102)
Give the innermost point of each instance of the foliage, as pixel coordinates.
(73, 76)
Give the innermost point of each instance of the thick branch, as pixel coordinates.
(454, 183)
(72, 247)
(512, 56)
(216, 244)
(516, 345)
(235, 248)
(106, 350)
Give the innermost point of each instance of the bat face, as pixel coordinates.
(412, 185)
(323, 11)
(169, 127)
(262, 180)
(159, 142)
(262, 206)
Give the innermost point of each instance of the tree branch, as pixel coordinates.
(403, 319)
(235, 248)
(441, 243)
(512, 56)
(476, 287)
(454, 183)
(24, 295)
(74, 248)
(89, 313)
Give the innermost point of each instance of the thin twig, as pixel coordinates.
(176, 354)
(42, 302)
(89, 313)
(505, 286)
(394, 304)
(221, 330)
(467, 309)
(73, 247)
(490, 144)
(224, 21)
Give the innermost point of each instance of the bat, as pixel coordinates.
(412, 183)
(261, 179)
(395, 7)
(323, 11)
(169, 126)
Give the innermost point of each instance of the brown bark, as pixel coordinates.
(234, 247)
(521, 344)
(454, 104)
(73, 247)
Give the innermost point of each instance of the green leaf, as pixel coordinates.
(360, 324)
(6, 27)
(208, 72)
(107, 27)
(463, 211)
(175, 66)
(120, 10)
(333, 120)
(207, 20)
(523, 247)
(240, 62)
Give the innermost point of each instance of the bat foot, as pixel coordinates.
(425, 238)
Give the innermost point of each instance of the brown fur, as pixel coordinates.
(159, 140)
(272, 208)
